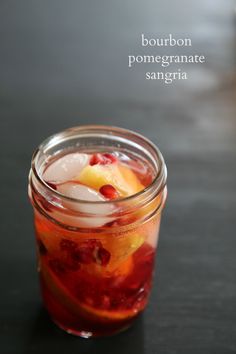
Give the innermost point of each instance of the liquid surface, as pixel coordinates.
(127, 174)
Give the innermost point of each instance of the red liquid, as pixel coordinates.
(100, 305)
(96, 283)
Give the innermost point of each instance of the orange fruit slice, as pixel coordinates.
(72, 304)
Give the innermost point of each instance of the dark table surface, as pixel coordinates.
(64, 63)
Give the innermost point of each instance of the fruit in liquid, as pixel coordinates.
(95, 273)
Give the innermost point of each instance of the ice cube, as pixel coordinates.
(66, 168)
(81, 192)
(79, 221)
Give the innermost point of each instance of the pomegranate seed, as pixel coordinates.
(67, 245)
(94, 243)
(103, 256)
(72, 264)
(85, 253)
(110, 158)
(109, 192)
(57, 266)
(95, 159)
(102, 159)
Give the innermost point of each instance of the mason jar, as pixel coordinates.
(96, 258)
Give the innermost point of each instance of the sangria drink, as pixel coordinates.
(97, 194)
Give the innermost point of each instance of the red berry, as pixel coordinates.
(67, 245)
(109, 158)
(102, 159)
(109, 192)
(103, 256)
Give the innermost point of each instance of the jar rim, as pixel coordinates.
(156, 186)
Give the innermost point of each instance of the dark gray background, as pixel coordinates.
(64, 63)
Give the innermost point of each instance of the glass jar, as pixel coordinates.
(96, 258)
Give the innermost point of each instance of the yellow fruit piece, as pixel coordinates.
(131, 178)
(121, 249)
(124, 268)
(119, 176)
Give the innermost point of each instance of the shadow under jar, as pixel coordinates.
(96, 258)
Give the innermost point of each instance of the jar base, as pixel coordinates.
(89, 334)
